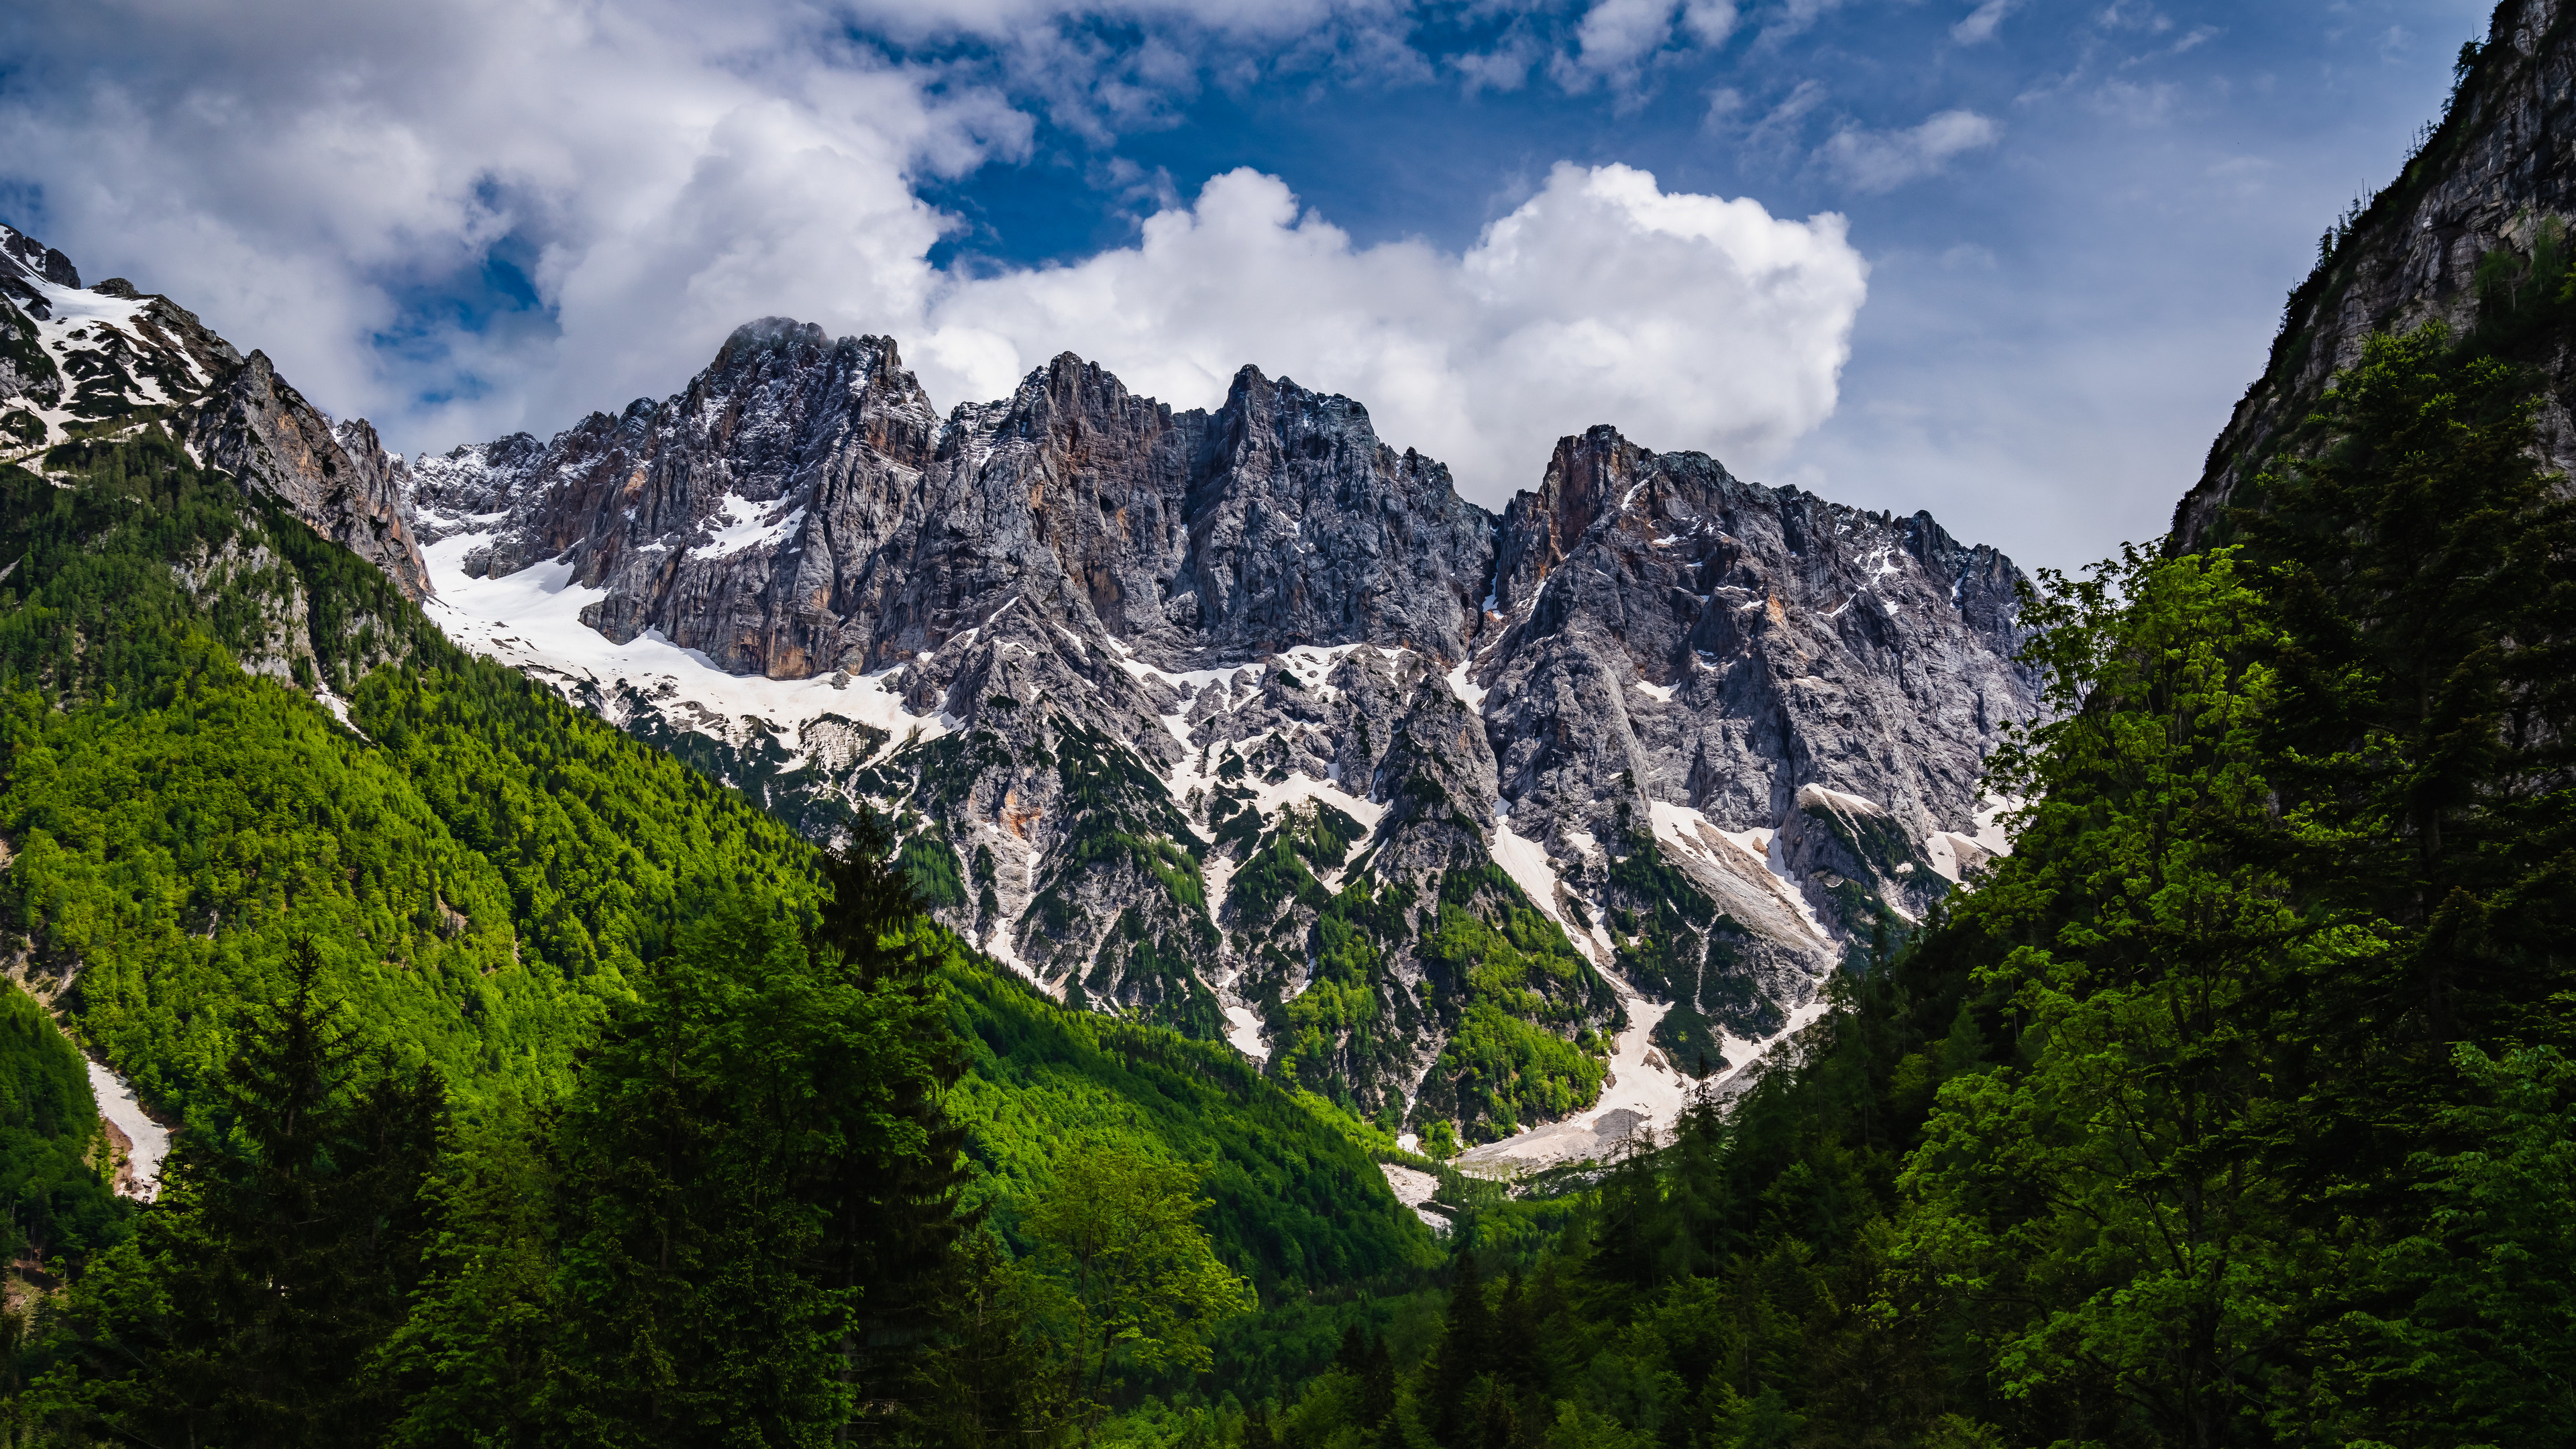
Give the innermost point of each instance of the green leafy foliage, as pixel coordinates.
(2115, 1175)
(52, 1148)
(1296, 1206)
(1126, 1272)
(1520, 983)
(480, 869)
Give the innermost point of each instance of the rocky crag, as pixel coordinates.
(1244, 721)
(2473, 235)
(80, 362)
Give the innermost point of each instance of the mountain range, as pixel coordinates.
(1239, 721)
(431, 843)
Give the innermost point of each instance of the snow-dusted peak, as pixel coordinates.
(102, 361)
(74, 357)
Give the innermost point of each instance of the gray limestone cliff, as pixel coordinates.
(1242, 720)
(82, 362)
(2472, 231)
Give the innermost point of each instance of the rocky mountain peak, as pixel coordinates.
(34, 256)
(88, 362)
(1217, 716)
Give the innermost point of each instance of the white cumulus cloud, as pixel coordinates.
(461, 217)
(1688, 321)
(1884, 160)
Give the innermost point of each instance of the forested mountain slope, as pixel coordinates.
(2471, 233)
(227, 739)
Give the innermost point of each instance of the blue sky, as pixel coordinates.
(2063, 235)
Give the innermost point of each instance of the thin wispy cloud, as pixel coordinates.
(1980, 24)
(1883, 160)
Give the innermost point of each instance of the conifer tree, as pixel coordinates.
(1465, 1352)
(708, 1278)
(893, 1194)
(281, 1253)
(984, 1379)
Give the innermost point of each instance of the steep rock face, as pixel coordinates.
(1688, 658)
(76, 362)
(337, 478)
(1235, 719)
(1243, 721)
(1682, 636)
(2477, 212)
(800, 509)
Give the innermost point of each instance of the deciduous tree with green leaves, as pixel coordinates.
(1137, 1284)
(2100, 1205)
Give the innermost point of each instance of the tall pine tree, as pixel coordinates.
(283, 1251)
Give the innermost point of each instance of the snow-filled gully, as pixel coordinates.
(531, 619)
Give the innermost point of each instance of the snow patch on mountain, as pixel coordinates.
(745, 527)
(531, 620)
(1413, 1187)
(1643, 1093)
(1243, 1031)
(148, 1142)
(1525, 861)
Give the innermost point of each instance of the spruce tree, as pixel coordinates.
(2425, 573)
(284, 1248)
(896, 1229)
(760, 1182)
(689, 1314)
(1377, 1384)
(1465, 1352)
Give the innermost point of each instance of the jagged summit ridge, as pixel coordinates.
(81, 362)
(1243, 720)
(1237, 719)
(774, 514)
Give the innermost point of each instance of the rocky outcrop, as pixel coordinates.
(1679, 635)
(75, 361)
(2460, 237)
(1244, 721)
(337, 478)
